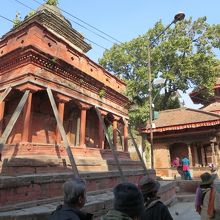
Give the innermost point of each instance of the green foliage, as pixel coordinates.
(101, 93)
(31, 13)
(52, 2)
(17, 19)
(183, 56)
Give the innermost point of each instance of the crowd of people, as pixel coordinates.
(137, 202)
(130, 202)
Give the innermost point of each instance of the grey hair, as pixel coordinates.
(73, 189)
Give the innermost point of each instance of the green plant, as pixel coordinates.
(31, 13)
(54, 59)
(81, 81)
(17, 19)
(52, 2)
(101, 93)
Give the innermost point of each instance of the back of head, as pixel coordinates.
(206, 180)
(73, 189)
(128, 199)
(148, 186)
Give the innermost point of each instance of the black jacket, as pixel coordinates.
(65, 212)
(156, 210)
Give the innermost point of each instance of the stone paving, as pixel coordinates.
(184, 211)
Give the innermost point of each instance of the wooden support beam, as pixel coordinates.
(62, 132)
(138, 152)
(13, 119)
(4, 94)
(110, 143)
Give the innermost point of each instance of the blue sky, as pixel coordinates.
(123, 20)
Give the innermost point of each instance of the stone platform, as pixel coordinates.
(97, 202)
(44, 186)
(35, 172)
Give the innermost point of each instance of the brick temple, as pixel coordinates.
(188, 132)
(44, 55)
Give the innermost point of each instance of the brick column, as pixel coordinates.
(126, 136)
(115, 126)
(196, 156)
(82, 134)
(77, 131)
(203, 156)
(190, 154)
(25, 136)
(61, 106)
(61, 99)
(2, 110)
(101, 131)
(26, 133)
(213, 153)
(217, 154)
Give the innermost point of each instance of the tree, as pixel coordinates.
(183, 56)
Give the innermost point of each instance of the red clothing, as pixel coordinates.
(176, 162)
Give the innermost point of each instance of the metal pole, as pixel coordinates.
(150, 107)
(178, 17)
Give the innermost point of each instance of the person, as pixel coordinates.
(74, 200)
(207, 200)
(128, 203)
(154, 208)
(177, 164)
(213, 170)
(186, 172)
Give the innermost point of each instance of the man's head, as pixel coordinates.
(149, 187)
(75, 192)
(128, 199)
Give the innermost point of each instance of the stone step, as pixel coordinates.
(185, 197)
(98, 203)
(44, 164)
(49, 185)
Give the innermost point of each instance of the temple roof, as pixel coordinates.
(183, 118)
(55, 10)
(213, 107)
(51, 18)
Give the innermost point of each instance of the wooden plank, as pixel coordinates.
(13, 119)
(138, 152)
(110, 143)
(4, 94)
(62, 133)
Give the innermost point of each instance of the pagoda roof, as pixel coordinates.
(183, 118)
(213, 107)
(51, 18)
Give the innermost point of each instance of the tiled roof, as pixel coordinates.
(182, 118)
(214, 107)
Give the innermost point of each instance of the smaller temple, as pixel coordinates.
(188, 132)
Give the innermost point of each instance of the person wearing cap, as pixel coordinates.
(128, 203)
(207, 200)
(74, 199)
(154, 208)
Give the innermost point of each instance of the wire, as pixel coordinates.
(24, 5)
(82, 25)
(70, 19)
(6, 18)
(88, 24)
